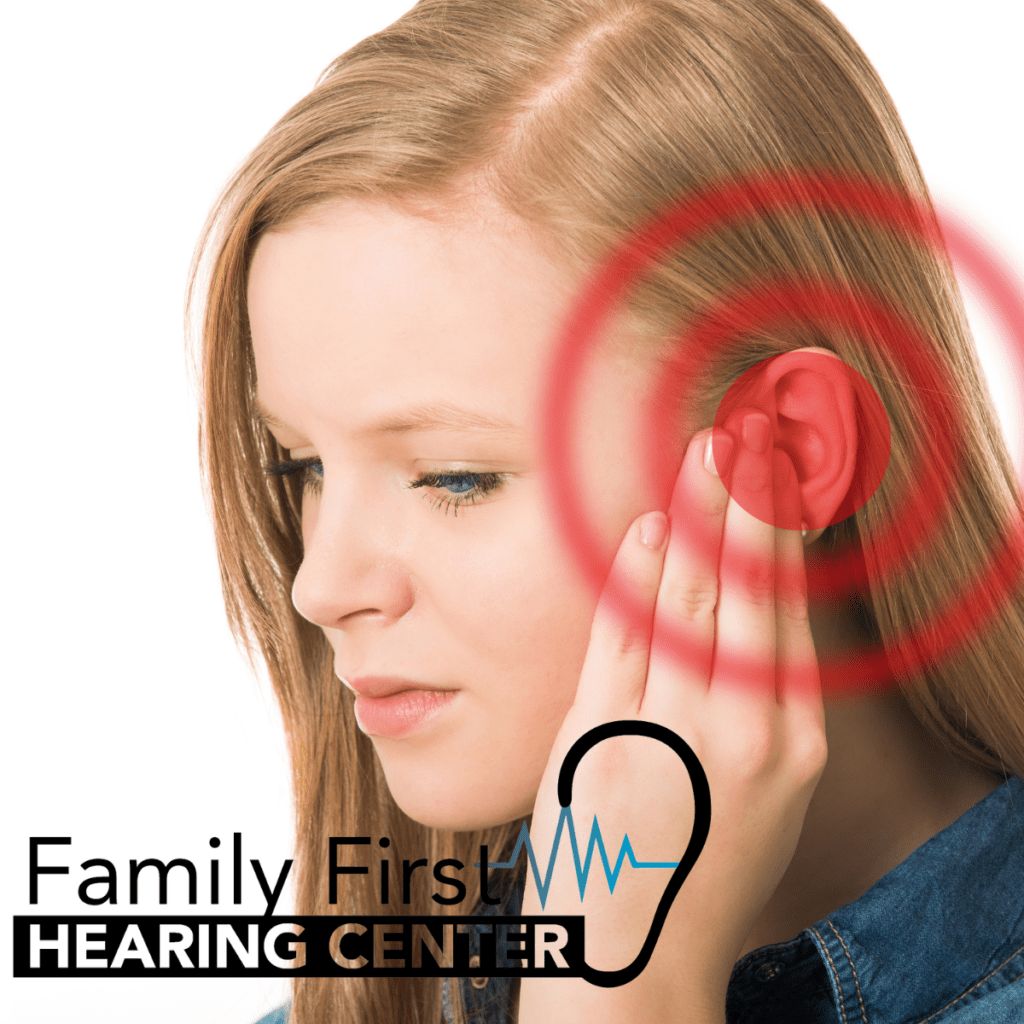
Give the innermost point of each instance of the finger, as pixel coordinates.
(615, 668)
(797, 681)
(744, 663)
(683, 638)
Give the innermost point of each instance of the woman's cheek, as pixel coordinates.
(504, 610)
(525, 601)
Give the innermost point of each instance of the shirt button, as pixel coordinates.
(768, 971)
(474, 962)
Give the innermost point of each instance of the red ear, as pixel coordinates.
(828, 420)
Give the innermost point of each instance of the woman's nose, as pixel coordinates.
(349, 570)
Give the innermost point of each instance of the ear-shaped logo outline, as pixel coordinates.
(698, 835)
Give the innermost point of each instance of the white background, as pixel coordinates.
(129, 720)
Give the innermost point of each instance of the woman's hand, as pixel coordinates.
(746, 700)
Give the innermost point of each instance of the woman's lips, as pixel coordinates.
(392, 712)
(401, 713)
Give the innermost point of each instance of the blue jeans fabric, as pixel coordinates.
(938, 940)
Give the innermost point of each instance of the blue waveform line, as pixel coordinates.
(582, 870)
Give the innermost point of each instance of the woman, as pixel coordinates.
(388, 272)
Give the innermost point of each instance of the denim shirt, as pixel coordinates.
(938, 939)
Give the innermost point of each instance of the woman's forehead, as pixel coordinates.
(371, 267)
(377, 302)
(363, 315)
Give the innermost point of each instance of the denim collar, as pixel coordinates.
(940, 931)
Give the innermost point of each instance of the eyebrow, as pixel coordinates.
(429, 416)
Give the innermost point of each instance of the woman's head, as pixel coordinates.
(405, 239)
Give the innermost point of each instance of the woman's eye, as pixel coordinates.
(456, 489)
(312, 470)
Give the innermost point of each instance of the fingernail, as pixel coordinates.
(653, 530)
(724, 446)
(757, 431)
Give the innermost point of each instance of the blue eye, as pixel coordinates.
(461, 488)
(455, 483)
(457, 488)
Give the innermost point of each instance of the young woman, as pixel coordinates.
(386, 280)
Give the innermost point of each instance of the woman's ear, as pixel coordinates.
(810, 400)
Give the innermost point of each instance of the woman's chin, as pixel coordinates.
(432, 802)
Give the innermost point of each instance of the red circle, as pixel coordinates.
(811, 301)
(837, 575)
(680, 224)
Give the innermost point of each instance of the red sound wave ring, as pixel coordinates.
(774, 303)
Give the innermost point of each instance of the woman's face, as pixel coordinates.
(408, 356)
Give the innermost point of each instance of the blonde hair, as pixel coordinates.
(583, 117)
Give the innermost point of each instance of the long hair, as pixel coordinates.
(583, 117)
